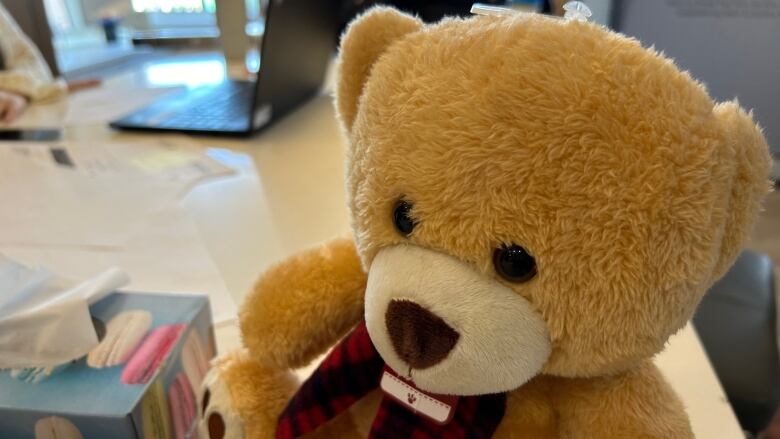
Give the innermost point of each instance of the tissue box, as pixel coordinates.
(141, 381)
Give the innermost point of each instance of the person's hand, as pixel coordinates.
(11, 106)
(82, 84)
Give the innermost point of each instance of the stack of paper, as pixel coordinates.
(48, 206)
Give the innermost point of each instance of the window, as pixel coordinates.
(63, 15)
(167, 6)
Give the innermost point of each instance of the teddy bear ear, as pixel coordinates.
(366, 38)
(752, 164)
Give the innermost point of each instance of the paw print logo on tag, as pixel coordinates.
(437, 408)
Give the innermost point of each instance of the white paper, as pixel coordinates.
(40, 116)
(49, 206)
(95, 106)
(103, 104)
(44, 319)
(167, 256)
(172, 162)
(162, 249)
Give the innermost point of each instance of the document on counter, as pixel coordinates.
(167, 256)
(92, 195)
(168, 161)
(50, 206)
(82, 208)
(95, 106)
(101, 105)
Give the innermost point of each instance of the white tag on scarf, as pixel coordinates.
(438, 408)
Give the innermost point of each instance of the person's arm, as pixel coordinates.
(26, 73)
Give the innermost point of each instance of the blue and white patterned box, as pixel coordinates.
(142, 382)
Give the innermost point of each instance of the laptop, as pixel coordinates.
(297, 46)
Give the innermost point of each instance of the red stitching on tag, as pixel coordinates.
(435, 401)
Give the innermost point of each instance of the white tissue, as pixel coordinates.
(44, 319)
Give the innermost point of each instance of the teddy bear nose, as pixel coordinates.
(421, 338)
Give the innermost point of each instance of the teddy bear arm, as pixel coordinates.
(241, 398)
(303, 305)
(635, 404)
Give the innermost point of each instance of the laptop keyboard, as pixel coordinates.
(221, 108)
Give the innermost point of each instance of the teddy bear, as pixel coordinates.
(537, 204)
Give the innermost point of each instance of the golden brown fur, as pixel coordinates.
(633, 190)
(619, 190)
(284, 293)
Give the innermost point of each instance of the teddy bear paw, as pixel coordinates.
(219, 418)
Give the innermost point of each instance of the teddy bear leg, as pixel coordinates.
(240, 398)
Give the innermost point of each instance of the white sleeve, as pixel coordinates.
(25, 73)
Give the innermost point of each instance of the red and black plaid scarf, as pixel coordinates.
(351, 371)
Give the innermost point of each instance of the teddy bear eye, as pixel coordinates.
(403, 222)
(514, 263)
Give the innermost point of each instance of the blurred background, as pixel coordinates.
(732, 45)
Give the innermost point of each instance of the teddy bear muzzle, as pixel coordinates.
(426, 313)
(420, 338)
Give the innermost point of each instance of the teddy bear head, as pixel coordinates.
(532, 195)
